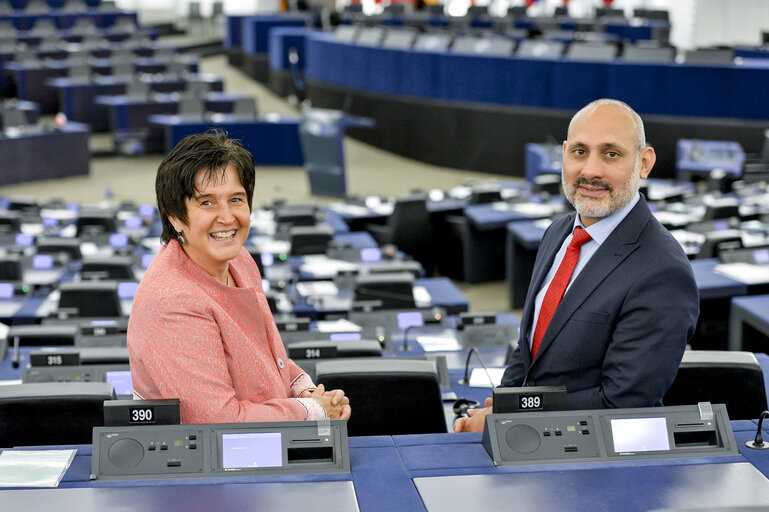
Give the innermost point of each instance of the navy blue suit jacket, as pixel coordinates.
(618, 335)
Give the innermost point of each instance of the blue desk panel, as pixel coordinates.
(711, 91)
(282, 39)
(270, 142)
(76, 97)
(255, 30)
(45, 153)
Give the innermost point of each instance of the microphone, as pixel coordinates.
(405, 347)
(16, 357)
(758, 442)
(466, 380)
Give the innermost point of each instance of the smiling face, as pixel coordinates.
(218, 221)
(603, 162)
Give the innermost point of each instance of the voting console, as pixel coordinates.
(181, 451)
(609, 434)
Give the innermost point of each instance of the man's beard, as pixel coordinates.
(618, 198)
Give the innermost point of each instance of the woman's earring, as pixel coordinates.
(179, 236)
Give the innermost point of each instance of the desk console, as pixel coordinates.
(231, 449)
(609, 434)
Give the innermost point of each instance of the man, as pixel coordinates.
(617, 335)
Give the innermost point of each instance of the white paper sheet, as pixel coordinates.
(34, 468)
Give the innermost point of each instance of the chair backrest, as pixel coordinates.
(540, 49)
(433, 42)
(113, 267)
(123, 69)
(309, 239)
(652, 14)
(346, 33)
(720, 377)
(196, 88)
(411, 405)
(715, 56)
(54, 413)
(399, 38)
(14, 118)
(44, 26)
(43, 335)
(244, 109)
(371, 36)
(137, 89)
(589, 51)
(659, 54)
(387, 290)
(497, 46)
(10, 267)
(91, 299)
(715, 241)
(192, 108)
(79, 71)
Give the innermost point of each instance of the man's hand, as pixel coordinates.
(476, 419)
(335, 402)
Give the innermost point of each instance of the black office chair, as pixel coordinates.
(244, 109)
(548, 183)
(43, 335)
(11, 268)
(10, 222)
(63, 249)
(484, 195)
(711, 56)
(720, 377)
(96, 222)
(309, 239)
(386, 290)
(408, 227)
(90, 299)
(652, 14)
(716, 241)
(80, 72)
(411, 403)
(650, 54)
(592, 51)
(136, 89)
(722, 208)
(113, 267)
(52, 413)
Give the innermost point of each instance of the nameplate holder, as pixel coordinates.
(123, 413)
(54, 358)
(529, 399)
(313, 352)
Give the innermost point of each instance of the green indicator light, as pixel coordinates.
(571, 428)
(282, 256)
(178, 442)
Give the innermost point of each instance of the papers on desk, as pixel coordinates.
(266, 244)
(323, 266)
(747, 273)
(34, 468)
(674, 219)
(341, 325)
(480, 379)
(422, 297)
(527, 209)
(442, 341)
(316, 288)
(353, 210)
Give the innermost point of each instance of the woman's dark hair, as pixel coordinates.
(210, 152)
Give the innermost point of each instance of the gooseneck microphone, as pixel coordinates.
(16, 357)
(758, 442)
(466, 380)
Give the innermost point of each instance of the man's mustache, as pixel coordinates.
(596, 184)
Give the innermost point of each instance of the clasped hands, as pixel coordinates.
(335, 402)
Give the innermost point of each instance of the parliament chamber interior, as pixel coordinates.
(408, 163)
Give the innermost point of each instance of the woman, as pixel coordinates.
(200, 328)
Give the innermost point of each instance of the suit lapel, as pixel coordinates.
(620, 244)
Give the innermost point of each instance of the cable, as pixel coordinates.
(466, 380)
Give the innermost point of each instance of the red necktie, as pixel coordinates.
(558, 287)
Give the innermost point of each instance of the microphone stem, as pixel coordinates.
(16, 357)
(472, 351)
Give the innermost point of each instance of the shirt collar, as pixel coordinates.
(601, 230)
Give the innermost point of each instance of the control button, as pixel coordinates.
(585, 431)
(193, 446)
(164, 447)
(558, 433)
(546, 433)
(151, 447)
(583, 422)
(192, 437)
(174, 463)
(570, 449)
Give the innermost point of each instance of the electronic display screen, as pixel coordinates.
(127, 289)
(344, 336)
(24, 240)
(146, 260)
(252, 450)
(133, 222)
(6, 290)
(370, 254)
(410, 319)
(761, 255)
(118, 240)
(42, 261)
(640, 434)
(121, 381)
(267, 259)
